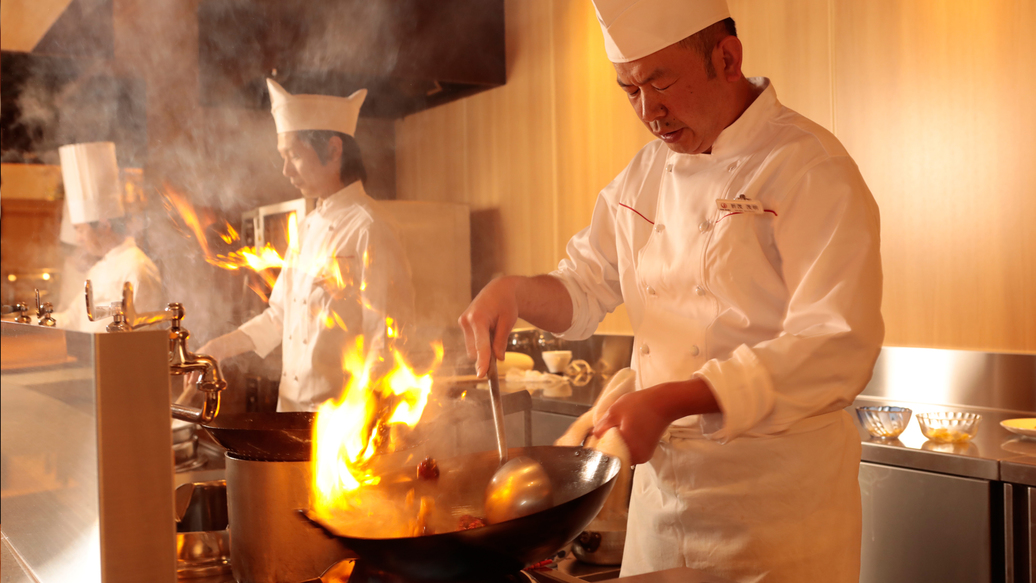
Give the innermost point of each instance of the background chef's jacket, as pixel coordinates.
(778, 312)
(317, 312)
(124, 262)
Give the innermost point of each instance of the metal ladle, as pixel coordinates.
(520, 486)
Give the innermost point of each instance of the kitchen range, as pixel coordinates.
(99, 490)
(920, 496)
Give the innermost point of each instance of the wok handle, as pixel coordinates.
(498, 408)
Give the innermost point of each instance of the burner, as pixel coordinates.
(366, 574)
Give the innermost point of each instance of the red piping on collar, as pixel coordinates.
(638, 213)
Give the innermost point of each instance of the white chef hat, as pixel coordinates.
(67, 234)
(91, 177)
(292, 113)
(634, 29)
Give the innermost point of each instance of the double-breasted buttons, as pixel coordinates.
(645, 350)
(694, 350)
(704, 226)
(669, 167)
(732, 167)
(659, 228)
(651, 291)
(699, 290)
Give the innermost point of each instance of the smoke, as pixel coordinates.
(367, 35)
(201, 125)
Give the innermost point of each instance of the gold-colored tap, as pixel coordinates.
(44, 311)
(181, 360)
(23, 313)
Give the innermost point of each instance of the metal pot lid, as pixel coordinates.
(183, 431)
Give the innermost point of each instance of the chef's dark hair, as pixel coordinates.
(352, 168)
(706, 39)
(117, 224)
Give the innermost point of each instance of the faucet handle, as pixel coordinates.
(100, 312)
(44, 311)
(22, 310)
(123, 313)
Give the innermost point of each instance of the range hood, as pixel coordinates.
(409, 54)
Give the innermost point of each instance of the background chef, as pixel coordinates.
(93, 198)
(755, 325)
(348, 277)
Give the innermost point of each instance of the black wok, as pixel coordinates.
(286, 437)
(582, 480)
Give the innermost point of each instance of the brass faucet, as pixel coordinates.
(21, 310)
(44, 311)
(181, 360)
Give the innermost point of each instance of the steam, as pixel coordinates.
(148, 99)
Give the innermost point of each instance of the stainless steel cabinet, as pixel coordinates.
(924, 526)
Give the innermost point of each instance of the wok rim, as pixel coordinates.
(614, 464)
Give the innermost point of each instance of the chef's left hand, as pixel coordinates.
(641, 421)
(643, 416)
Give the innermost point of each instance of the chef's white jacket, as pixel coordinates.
(779, 312)
(317, 311)
(124, 262)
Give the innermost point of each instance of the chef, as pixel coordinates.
(94, 205)
(745, 246)
(349, 278)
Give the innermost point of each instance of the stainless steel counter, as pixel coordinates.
(993, 454)
(988, 455)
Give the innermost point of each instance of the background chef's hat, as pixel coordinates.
(91, 177)
(634, 29)
(292, 113)
(67, 234)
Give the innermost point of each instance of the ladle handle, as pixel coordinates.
(498, 408)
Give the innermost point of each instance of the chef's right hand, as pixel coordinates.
(225, 346)
(190, 380)
(490, 317)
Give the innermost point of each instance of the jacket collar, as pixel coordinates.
(740, 135)
(348, 195)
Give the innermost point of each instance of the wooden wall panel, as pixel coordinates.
(789, 41)
(934, 100)
(931, 97)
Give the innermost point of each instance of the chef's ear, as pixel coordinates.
(334, 151)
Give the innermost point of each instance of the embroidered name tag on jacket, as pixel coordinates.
(740, 205)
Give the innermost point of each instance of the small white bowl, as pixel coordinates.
(556, 360)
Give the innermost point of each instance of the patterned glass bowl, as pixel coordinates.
(884, 422)
(949, 427)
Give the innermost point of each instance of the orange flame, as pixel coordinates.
(349, 431)
(260, 261)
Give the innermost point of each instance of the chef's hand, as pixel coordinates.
(490, 316)
(643, 416)
(225, 346)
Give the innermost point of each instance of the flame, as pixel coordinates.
(364, 421)
(261, 261)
